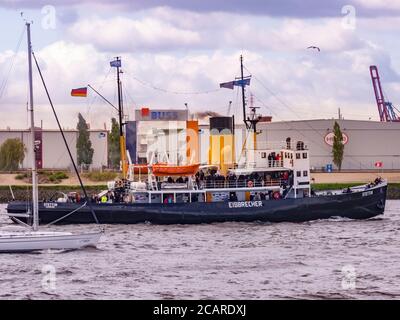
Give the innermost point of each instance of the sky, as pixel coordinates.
(176, 52)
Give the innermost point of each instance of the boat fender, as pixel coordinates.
(250, 184)
(276, 195)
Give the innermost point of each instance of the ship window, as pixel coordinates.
(298, 173)
(304, 155)
(305, 173)
(263, 155)
(297, 155)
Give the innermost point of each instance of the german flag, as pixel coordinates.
(79, 92)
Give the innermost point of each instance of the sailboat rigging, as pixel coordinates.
(34, 240)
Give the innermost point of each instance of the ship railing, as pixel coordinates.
(241, 183)
(270, 164)
(275, 163)
(279, 145)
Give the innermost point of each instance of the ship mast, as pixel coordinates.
(250, 122)
(35, 198)
(243, 94)
(122, 142)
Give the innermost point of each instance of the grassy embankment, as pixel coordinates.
(51, 183)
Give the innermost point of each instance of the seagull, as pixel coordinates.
(314, 47)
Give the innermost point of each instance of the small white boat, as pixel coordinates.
(27, 241)
(30, 238)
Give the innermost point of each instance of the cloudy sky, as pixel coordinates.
(176, 52)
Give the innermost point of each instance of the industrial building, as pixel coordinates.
(157, 133)
(52, 153)
(168, 135)
(366, 142)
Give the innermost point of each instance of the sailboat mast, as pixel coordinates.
(35, 198)
(122, 143)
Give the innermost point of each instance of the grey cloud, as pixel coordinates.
(275, 8)
(67, 15)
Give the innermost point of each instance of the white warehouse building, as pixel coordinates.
(366, 143)
(52, 153)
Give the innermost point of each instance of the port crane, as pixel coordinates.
(387, 112)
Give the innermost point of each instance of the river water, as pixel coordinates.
(335, 259)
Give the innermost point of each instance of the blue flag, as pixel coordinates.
(242, 83)
(239, 83)
(115, 63)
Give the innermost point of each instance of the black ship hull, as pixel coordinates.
(355, 205)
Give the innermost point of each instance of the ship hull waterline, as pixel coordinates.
(355, 205)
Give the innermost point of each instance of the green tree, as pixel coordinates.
(12, 153)
(114, 154)
(338, 146)
(83, 144)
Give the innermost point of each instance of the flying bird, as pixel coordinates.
(314, 47)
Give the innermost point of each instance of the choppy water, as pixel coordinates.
(322, 259)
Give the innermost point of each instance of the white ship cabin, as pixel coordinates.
(287, 164)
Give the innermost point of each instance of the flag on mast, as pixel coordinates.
(79, 92)
(227, 85)
(232, 84)
(115, 63)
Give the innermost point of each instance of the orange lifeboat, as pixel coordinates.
(140, 169)
(174, 170)
(143, 168)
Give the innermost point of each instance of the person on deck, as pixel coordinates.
(104, 199)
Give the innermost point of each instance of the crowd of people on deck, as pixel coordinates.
(274, 157)
(370, 185)
(215, 179)
(374, 183)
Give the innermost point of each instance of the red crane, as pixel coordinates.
(386, 109)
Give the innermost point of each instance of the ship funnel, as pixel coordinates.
(192, 142)
(222, 143)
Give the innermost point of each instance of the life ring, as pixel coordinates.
(250, 184)
(276, 195)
